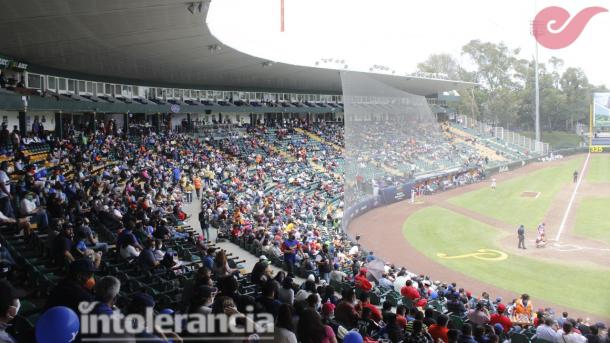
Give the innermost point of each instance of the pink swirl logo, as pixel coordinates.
(552, 29)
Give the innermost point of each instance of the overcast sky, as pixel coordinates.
(400, 33)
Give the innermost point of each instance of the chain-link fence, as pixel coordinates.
(530, 145)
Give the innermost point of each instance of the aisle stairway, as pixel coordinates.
(461, 136)
(318, 138)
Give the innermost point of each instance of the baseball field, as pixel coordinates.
(469, 235)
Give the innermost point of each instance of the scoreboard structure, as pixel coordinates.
(599, 123)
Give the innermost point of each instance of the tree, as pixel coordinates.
(507, 87)
(446, 64)
(495, 63)
(578, 93)
(497, 70)
(442, 63)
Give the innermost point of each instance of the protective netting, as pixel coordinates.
(390, 137)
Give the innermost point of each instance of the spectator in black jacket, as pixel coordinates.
(76, 287)
(456, 306)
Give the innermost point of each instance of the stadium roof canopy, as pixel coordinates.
(157, 43)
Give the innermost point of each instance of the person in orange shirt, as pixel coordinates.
(237, 216)
(524, 308)
(197, 184)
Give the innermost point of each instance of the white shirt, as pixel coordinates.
(399, 282)
(337, 275)
(27, 206)
(129, 251)
(117, 213)
(301, 295)
(282, 335)
(353, 250)
(572, 337)
(6, 181)
(546, 333)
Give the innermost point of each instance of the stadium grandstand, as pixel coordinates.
(159, 185)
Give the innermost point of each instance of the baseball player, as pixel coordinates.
(521, 234)
(541, 238)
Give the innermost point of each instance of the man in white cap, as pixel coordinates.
(261, 272)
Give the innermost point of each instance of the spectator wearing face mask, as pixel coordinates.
(9, 308)
(37, 214)
(202, 299)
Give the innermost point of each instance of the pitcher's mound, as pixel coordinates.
(530, 194)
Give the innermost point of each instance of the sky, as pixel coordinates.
(400, 33)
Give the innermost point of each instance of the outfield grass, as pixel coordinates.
(592, 219)
(506, 202)
(436, 230)
(599, 168)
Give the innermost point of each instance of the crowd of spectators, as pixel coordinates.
(109, 214)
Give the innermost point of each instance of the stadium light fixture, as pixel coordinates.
(536, 26)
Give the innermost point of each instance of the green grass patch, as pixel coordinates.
(599, 168)
(558, 139)
(506, 202)
(592, 219)
(436, 230)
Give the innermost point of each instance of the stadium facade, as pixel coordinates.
(93, 59)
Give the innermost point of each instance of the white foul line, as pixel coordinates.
(565, 215)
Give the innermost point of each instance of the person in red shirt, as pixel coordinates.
(439, 330)
(408, 291)
(362, 282)
(501, 318)
(366, 303)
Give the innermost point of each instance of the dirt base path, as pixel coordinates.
(381, 232)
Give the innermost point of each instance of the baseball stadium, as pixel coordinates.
(225, 171)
